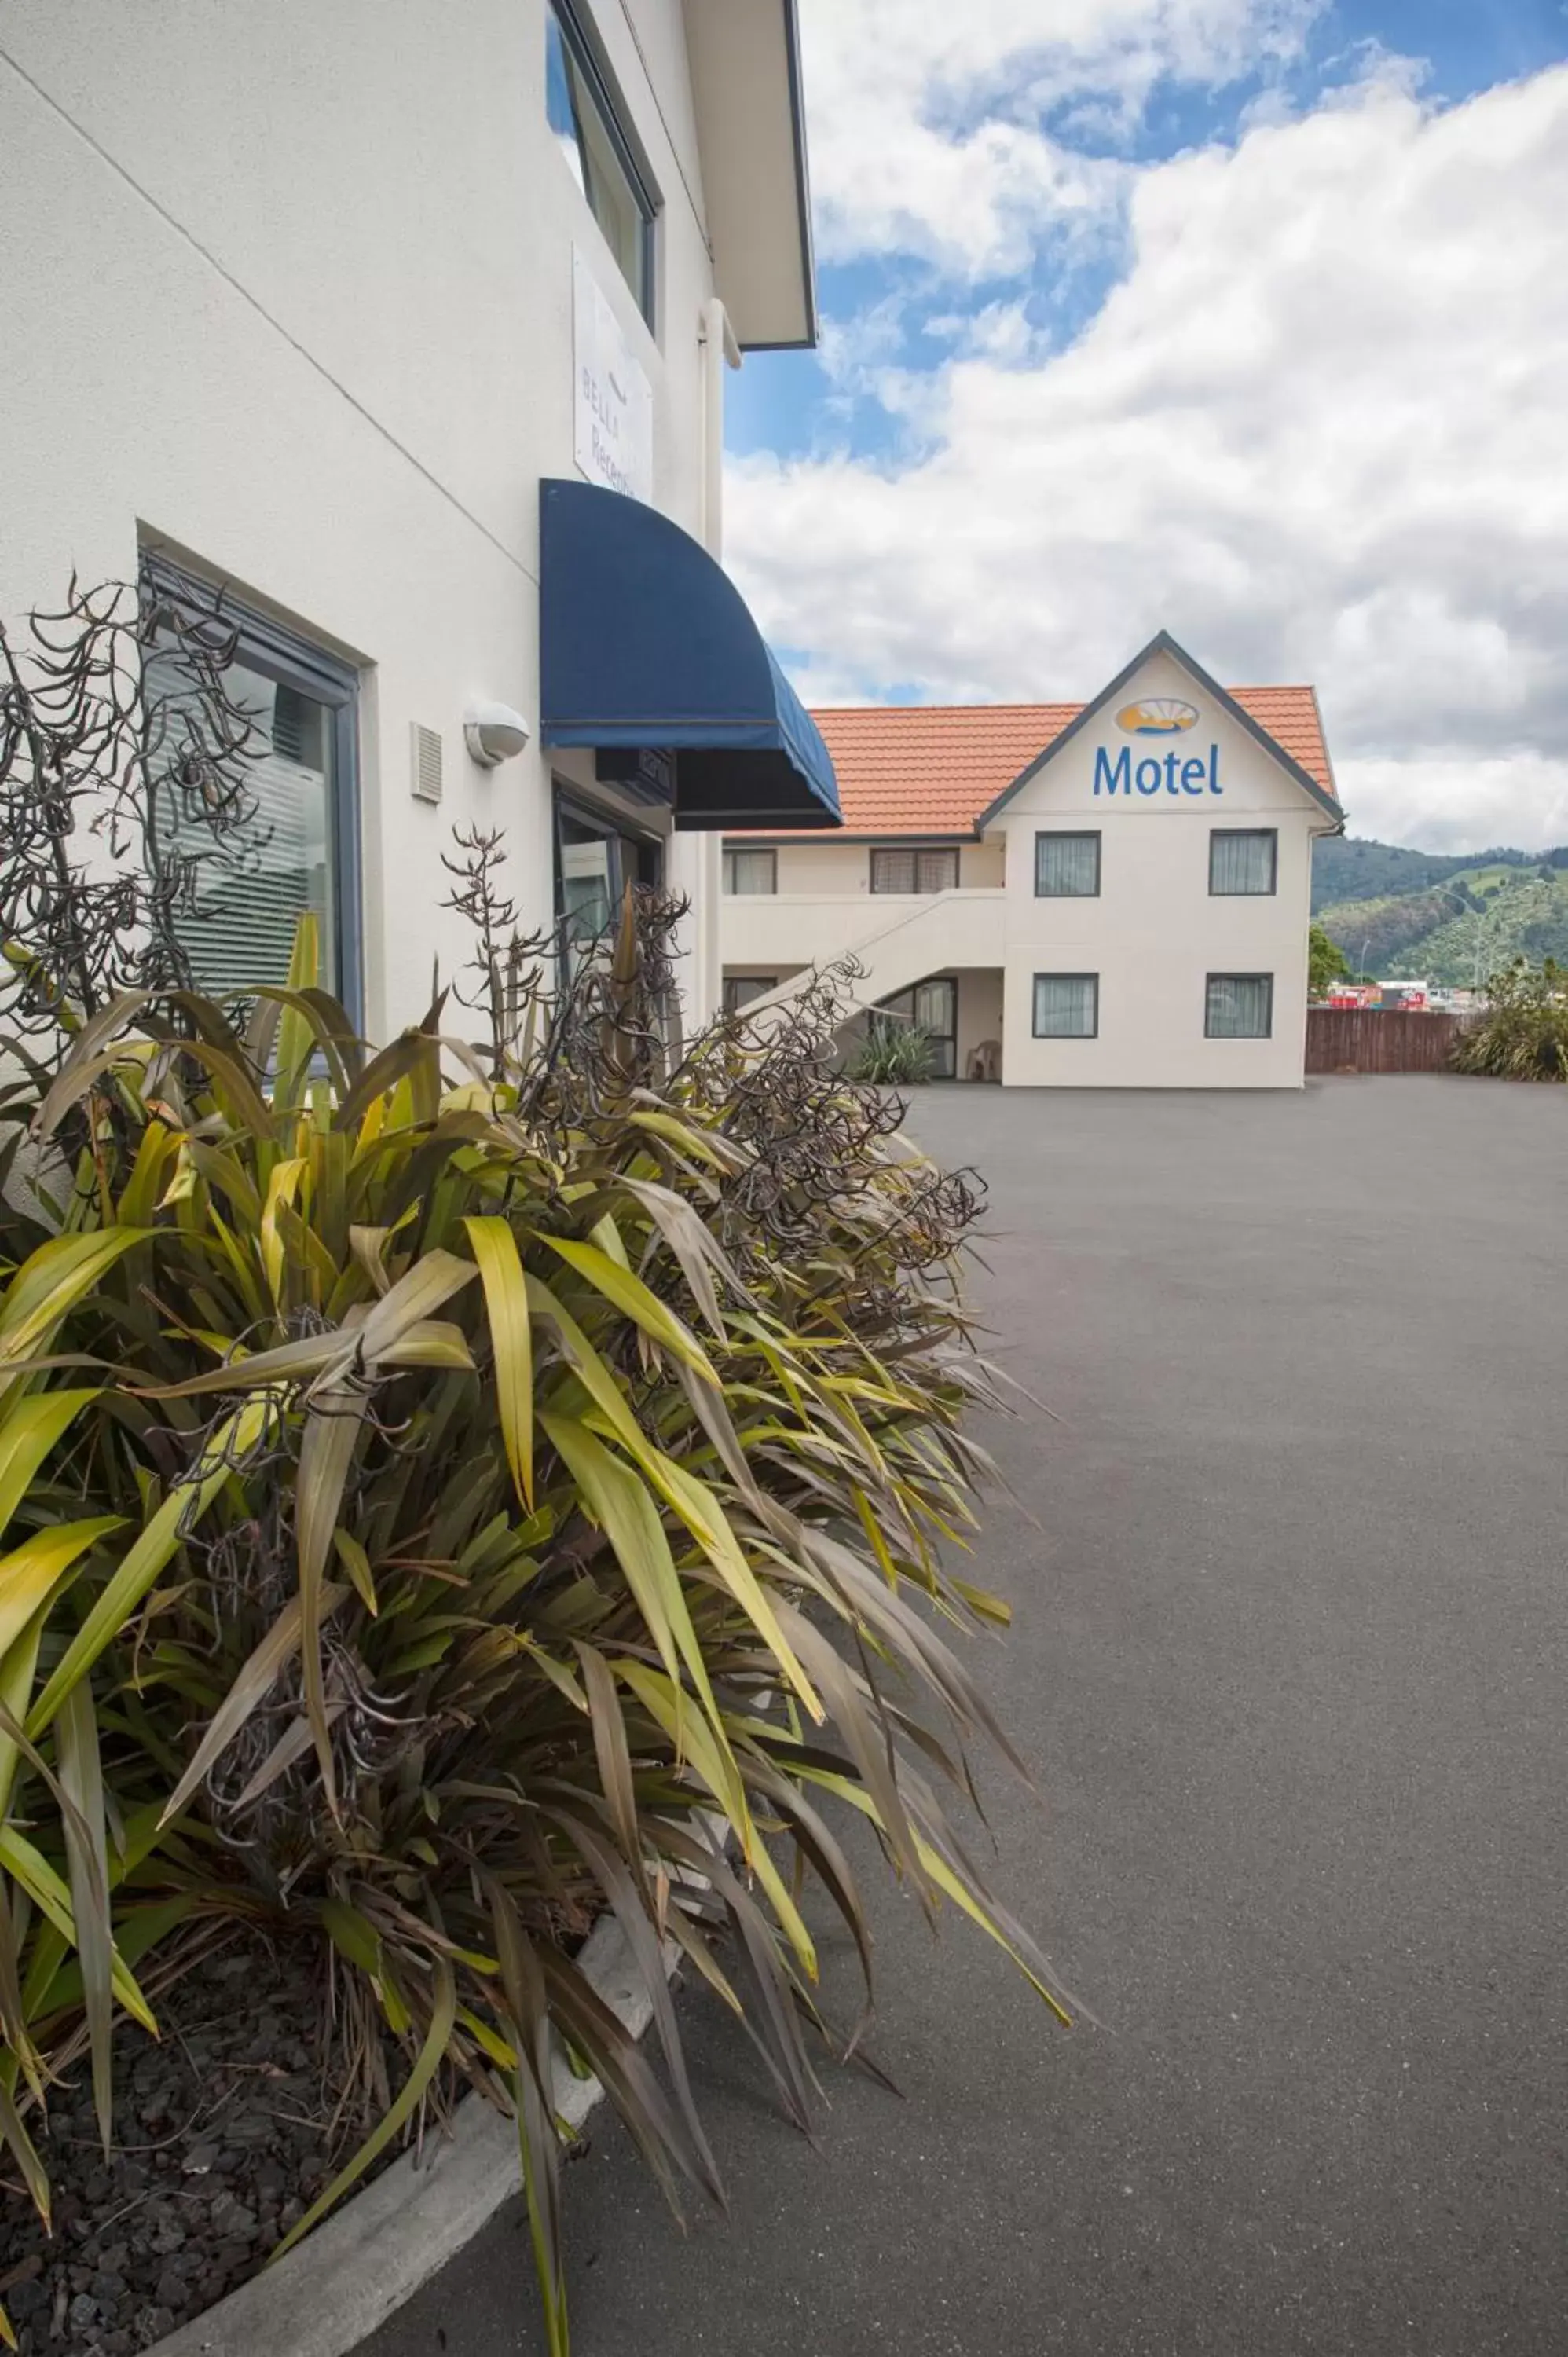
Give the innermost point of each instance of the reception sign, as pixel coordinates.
(612, 401)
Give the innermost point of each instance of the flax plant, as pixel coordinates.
(452, 1493)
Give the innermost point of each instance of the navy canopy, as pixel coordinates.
(647, 645)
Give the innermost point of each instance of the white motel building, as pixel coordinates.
(408, 327)
(1112, 895)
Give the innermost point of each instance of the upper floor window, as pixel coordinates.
(751, 872)
(582, 114)
(914, 871)
(1066, 867)
(1243, 859)
(297, 849)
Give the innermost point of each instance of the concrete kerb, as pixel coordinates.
(366, 2259)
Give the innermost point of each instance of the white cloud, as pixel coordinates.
(1460, 804)
(929, 122)
(1318, 430)
(997, 331)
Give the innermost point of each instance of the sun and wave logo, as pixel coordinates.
(1156, 715)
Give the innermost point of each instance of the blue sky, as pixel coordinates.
(1280, 249)
(785, 401)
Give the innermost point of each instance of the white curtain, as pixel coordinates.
(1241, 860)
(1066, 1006)
(1066, 867)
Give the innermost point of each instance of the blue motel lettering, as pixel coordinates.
(1169, 774)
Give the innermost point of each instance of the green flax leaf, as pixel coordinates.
(506, 1306)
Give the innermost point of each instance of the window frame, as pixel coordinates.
(1225, 976)
(1053, 976)
(291, 659)
(1069, 835)
(1228, 833)
(733, 851)
(583, 47)
(915, 851)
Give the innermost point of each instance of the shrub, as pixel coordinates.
(448, 1489)
(893, 1054)
(1325, 963)
(1523, 1035)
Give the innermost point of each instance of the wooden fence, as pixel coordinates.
(1379, 1039)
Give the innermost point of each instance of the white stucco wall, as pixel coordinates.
(823, 865)
(288, 291)
(820, 866)
(983, 865)
(1154, 933)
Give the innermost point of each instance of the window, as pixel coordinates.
(1066, 867)
(914, 871)
(740, 989)
(1243, 859)
(594, 862)
(1066, 1006)
(1241, 1007)
(582, 115)
(299, 848)
(751, 873)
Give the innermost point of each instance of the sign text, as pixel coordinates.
(1171, 773)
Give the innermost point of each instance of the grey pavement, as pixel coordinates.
(1290, 1667)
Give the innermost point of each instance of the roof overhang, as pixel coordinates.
(745, 60)
(648, 652)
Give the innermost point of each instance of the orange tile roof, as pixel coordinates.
(932, 769)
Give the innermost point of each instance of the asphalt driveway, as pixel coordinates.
(1291, 1661)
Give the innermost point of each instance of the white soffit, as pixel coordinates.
(746, 92)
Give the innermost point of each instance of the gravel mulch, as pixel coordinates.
(225, 2130)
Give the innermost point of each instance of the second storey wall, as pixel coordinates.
(293, 302)
(844, 868)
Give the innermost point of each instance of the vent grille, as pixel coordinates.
(425, 761)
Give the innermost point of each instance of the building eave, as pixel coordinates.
(746, 90)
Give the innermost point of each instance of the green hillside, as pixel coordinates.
(1348, 867)
(1452, 929)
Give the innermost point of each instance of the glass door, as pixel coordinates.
(933, 1004)
(594, 862)
(587, 879)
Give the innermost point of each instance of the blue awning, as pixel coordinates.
(647, 646)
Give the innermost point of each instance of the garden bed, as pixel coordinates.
(227, 2128)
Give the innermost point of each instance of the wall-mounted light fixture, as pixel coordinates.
(494, 733)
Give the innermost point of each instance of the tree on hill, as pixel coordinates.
(1325, 962)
